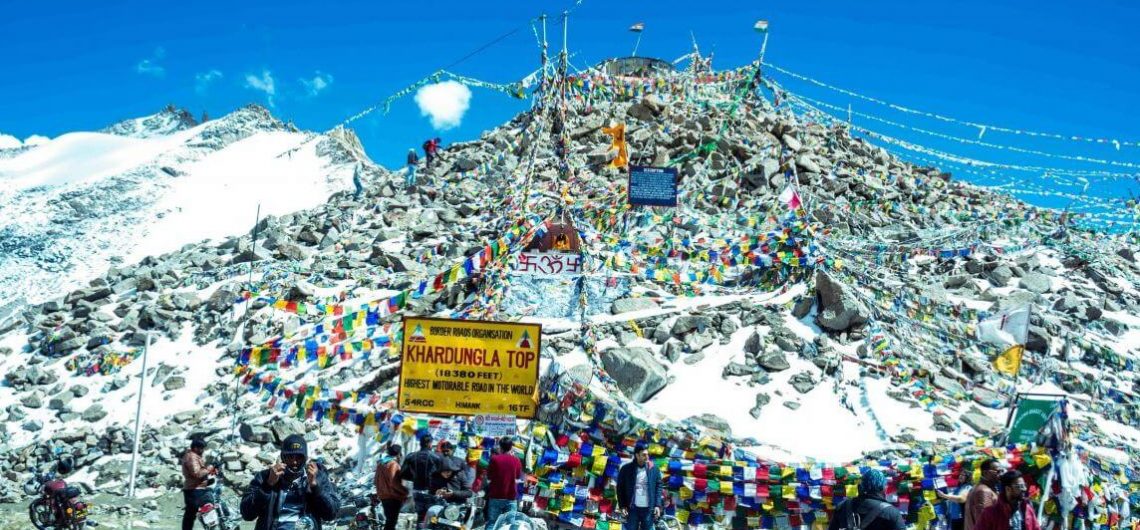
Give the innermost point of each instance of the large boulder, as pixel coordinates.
(636, 372)
(774, 360)
(627, 305)
(1035, 282)
(839, 310)
(979, 421)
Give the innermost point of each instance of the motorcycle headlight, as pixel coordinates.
(452, 512)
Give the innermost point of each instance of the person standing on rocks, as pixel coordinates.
(419, 468)
(357, 182)
(195, 473)
(431, 147)
(870, 510)
(639, 490)
(1011, 511)
(410, 177)
(294, 493)
(982, 495)
(389, 489)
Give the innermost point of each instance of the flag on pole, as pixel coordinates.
(637, 28)
(791, 198)
(761, 26)
(1009, 330)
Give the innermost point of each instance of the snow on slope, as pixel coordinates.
(85, 201)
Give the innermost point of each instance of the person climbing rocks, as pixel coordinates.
(431, 149)
(410, 177)
(356, 181)
(870, 509)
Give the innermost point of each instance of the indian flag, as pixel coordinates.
(1009, 330)
(761, 26)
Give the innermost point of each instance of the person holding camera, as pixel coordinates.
(293, 494)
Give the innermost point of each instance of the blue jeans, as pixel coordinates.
(410, 178)
(638, 519)
(497, 507)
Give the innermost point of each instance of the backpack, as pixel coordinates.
(857, 522)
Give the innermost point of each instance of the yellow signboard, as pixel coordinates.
(468, 367)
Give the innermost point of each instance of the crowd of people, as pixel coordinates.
(297, 487)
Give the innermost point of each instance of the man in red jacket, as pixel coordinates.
(1011, 511)
(503, 475)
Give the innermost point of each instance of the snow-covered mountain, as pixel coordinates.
(85, 201)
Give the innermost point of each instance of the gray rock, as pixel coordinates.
(94, 413)
(988, 398)
(803, 307)
(637, 374)
(774, 361)
(258, 434)
(839, 309)
(803, 382)
(672, 350)
(1001, 276)
(174, 382)
(734, 369)
(61, 402)
(1035, 282)
(285, 428)
(32, 401)
(944, 423)
(713, 422)
(945, 383)
(794, 405)
(33, 425)
(761, 400)
(698, 341)
(978, 420)
(687, 323)
(627, 305)
(753, 343)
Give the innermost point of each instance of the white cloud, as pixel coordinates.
(317, 84)
(36, 139)
(150, 66)
(202, 80)
(264, 83)
(445, 103)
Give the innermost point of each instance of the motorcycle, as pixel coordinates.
(443, 514)
(57, 506)
(215, 514)
(369, 516)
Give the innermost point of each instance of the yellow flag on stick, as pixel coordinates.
(618, 134)
(1010, 330)
(1009, 362)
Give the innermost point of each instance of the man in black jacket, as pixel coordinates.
(419, 467)
(292, 490)
(871, 509)
(448, 483)
(639, 491)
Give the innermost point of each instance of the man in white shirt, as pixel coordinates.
(639, 490)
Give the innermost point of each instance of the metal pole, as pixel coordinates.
(543, 83)
(763, 48)
(636, 44)
(138, 420)
(1045, 493)
(253, 244)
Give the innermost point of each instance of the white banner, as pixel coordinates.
(495, 425)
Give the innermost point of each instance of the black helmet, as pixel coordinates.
(64, 465)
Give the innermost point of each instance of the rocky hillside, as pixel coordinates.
(86, 201)
(852, 319)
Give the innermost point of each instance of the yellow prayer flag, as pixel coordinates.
(1009, 362)
(852, 490)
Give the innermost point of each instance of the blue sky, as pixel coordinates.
(1051, 66)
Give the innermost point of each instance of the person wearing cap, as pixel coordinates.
(447, 454)
(1011, 511)
(870, 509)
(503, 474)
(639, 490)
(290, 491)
(195, 473)
(447, 483)
(418, 468)
(984, 494)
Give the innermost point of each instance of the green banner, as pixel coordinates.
(1030, 417)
